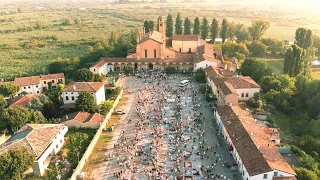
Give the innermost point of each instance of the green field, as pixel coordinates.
(27, 49)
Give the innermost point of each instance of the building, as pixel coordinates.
(37, 84)
(231, 90)
(42, 140)
(83, 119)
(23, 101)
(155, 51)
(256, 156)
(71, 92)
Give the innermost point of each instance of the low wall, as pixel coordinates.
(94, 141)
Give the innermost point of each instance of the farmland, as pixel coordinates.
(31, 38)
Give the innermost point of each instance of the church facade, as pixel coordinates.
(155, 51)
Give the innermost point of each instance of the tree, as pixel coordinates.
(37, 103)
(231, 31)
(187, 26)
(106, 106)
(258, 28)
(312, 103)
(256, 101)
(196, 26)
(294, 61)
(178, 25)
(231, 48)
(50, 110)
(171, 70)
(305, 174)
(128, 70)
(148, 25)
(85, 102)
(97, 78)
(3, 103)
(169, 26)
(9, 89)
(204, 28)
(214, 29)
(304, 38)
(158, 20)
(270, 82)
(241, 33)
(239, 56)
(256, 69)
(77, 143)
(316, 44)
(90, 49)
(15, 162)
(113, 38)
(301, 82)
(200, 75)
(275, 46)
(84, 75)
(257, 49)
(224, 30)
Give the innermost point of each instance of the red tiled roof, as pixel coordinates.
(99, 64)
(35, 137)
(23, 100)
(283, 178)
(183, 37)
(25, 81)
(83, 86)
(229, 84)
(52, 76)
(154, 35)
(210, 58)
(84, 117)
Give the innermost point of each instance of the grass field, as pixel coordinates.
(33, 38)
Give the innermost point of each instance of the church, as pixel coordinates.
(155, 51)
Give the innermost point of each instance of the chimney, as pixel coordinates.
(74, 87)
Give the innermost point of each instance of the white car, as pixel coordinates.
(120, 111)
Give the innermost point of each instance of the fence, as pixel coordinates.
(94, 141)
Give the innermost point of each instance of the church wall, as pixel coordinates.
(185, 45)
(150, 46)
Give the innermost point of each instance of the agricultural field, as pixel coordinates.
(32, 37)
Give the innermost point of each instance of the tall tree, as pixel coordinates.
(178, 25)
(304, 38)
(84, 75)
(148, 26)
(187, 26)
(214, 29)
(169, 26)
(275, 46)
(204, 28)
(196, 26)
(15, 162)
(241, 33)
(298, 55)
(9, 89)
(231, 31)
(289, 62)
(257, 49)
(258, 28)
(85, 102)
(255, 68)
(3, 103)
(224, 30)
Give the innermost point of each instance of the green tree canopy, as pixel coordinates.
(274, 45)
(196, 26)
(305, 174)
(231, 31)
(37, 103)
(204, 28)
(241, 33)
(187, 26)
(214, 29)
(224, 30)
(9, 89)
(15, 162)
(256, 69)
(200, 75)
(257, 49)
(106, 106)
(256, 101)
(171, 70)
(85, 102)
(3, 103)
(304, 38)
(178, 25)
(232, 48)
(169, 26)
(258, 28)
(148, 25)
(84, 75)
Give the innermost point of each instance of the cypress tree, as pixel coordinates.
(214, 29)
(224, 30)
(169, 26)
(187, 26)
(196, 26)
(178, 25)
(204, 28)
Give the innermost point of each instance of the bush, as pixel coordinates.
(200, 76)
(171, 70)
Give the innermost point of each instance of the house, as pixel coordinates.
(71, 92)
(23, 101)
(155, 51)
(212, 72)
(231, 90)
(256, 156)
(83, 119)
(37, 84)
(42, 140)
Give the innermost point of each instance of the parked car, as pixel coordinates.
(120, 112)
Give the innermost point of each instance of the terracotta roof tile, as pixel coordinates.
(23, 100)
(154, 35)
(99, 64)
(183, 37)
(52, 76)
(34, 80)
(284, 178)
(229, 84)
(83, 86)
(84, 117)
(35, 137)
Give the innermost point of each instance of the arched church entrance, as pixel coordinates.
(110, 67)
(150, 66)
(135, 66)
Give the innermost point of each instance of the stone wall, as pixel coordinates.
(94, 141)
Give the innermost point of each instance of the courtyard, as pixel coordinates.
(167, 133)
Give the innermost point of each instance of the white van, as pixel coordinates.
(183, 83)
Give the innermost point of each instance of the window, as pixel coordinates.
(242, 95)
(67, 98)
(24, 87)
(52, 81)
(177, 67)
(265, 176)
(155, 53)
(44, 82)
(72, 97)
(94, 70)
(29, 87)
(247, 94)
(180, 50)
(189, 50)
(145, 53)
(57, 146)
(36, 86)
(275, 174)
(38, 92)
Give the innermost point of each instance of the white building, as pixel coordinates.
(37, 84)
(71, 92)
(256, 156)
(42, 140)
(207, 61)
(101, 68)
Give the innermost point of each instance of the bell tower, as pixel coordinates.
(161, 26)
